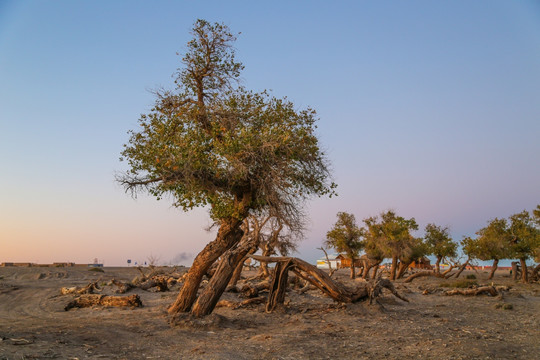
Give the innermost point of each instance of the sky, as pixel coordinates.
(428, 108)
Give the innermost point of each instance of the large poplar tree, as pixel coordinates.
(212, 143)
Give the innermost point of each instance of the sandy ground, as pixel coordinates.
(34, 325)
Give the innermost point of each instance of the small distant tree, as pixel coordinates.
(374, 249)
(393, 234)
(524, 239)
(415, 249)
(493, 243)
(439, 243)
(346, 237)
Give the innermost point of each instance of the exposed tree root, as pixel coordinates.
(488, 290)
(105, 301)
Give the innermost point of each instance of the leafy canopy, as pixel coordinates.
(213, 143)
(345, 236)
(439, 241)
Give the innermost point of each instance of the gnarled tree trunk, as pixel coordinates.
(229, 262)
(229, 234)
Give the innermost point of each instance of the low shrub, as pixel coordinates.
(96, 269)
(471, 276)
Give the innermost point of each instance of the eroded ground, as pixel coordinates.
(34, 325)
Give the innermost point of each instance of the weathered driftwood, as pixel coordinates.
(488, 290)
(322, 281)
(444, 275)
(105, 301)
(88, 289)
(237, 305)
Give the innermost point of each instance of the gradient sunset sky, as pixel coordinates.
(429, 108)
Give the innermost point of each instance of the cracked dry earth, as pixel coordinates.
(34, 325)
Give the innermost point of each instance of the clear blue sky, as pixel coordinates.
(430, 108)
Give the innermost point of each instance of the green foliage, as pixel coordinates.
(492, 242)
(389, 235)
(515, 238)
(439, 242)
(345, 236)
(524, 235)
(213, 143)
(414, 248)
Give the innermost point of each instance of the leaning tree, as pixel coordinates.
(212, 143)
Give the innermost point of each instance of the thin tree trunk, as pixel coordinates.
(437, 265)
(353, 272)
(402, 268)
(365, 271)
(264, 266)
(375, 269)
(493, 268)
(237, 272)
(229, 234)
(524, 274)
(515, 270)
(393, 269)
(462, 267)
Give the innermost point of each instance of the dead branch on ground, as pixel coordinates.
(488, 290)
(105, 301)
(322, 281)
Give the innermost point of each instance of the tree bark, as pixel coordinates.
(462, 267)
(323, 282)
(229, 234)
(105, 301)
(402, 268)
(493, 268)
(229, 261)
(353, 272)
(524, 274)
(437, 265)
(393, 269)
(515, 270)
(490, 290)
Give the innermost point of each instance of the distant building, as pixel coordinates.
(335, 262)
(422, 263)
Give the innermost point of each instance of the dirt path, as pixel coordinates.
(34, 325)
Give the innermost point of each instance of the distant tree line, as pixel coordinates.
(389, 236)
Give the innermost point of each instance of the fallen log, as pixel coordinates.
(88, 289)
(488, 290)
(237, 305)
(322, 281)
(105, 301)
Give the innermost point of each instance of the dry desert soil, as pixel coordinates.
(34, 324)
